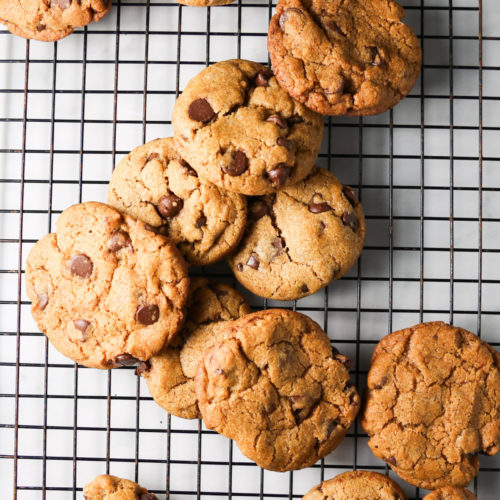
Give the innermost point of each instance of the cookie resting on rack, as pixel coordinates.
(50, 20)
(357, 485)
(344, 57)
(155, 185)
(451, 493)
(170, 373)
(106, 291)
(277, 388)
(432, 403)
(106, 487)
(205, 3)
(300, 239)
(240, 130)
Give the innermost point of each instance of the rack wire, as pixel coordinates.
(427, 173)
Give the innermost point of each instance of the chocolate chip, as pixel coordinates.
(349, 194)
(333, 424)
(147, 314)
(152, 156)
(142, 368)
(286, 143)
(219, 371)
(349, 219)
(201, 111)
(279, 175)
(279, 244)
(82, 325)
(253, 262)
(376, 58)
(258, 209)
(278, 121)
(295, 119)
(343, 359)
(153, 229)
(64, 4)
(239, 163)
(202, 221)
(321, 229)
(81, 266)
(169, 206)
(391, 460)
(286, 15)
(262, 78)
(304, 288)
(148, 496)
(41, 27)
(126, 360)
(318, 207)
(119, 240)
(190, 170)
(239, 267)
(381, 383)
(43, 300)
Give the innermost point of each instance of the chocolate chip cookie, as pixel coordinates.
(300, 239)
(344, 57)
(357, 485)
(170, 373)
(275, 385)
(50, 20)
(155, 185)
(105, 290)
(205, 3)
(240, 130)
(432, 403)
(106, 487)
(451, 493)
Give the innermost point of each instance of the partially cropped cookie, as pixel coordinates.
(451, 493)
(357, 485)
(106, 487)
(300, 239)
(155, 185)
(105, 290)
(277, 388)
(205, 3)
(344, 57)
(50, 20)
(433, 403)
(240, 130)
(170, 373)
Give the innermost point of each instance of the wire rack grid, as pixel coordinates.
(427, 172)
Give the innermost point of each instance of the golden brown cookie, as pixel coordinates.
(344, 57)
(275, 386)
(451, 493)
(432, 403)
(153, 184)
(240, 130)
(205, 3)
(170, 373)
(50, 20)
(106, 487)
(357, 485)
(300, 239)
(105, 290)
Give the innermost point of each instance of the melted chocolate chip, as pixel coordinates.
(349, 194)
(152, 156)
(119, 240)
(318, 207)
(147, 314)
(63, 4)
(278, 121)
(82, 325)
(81, 266)
(279, 175)
(201, 111)
(376, 58)
(239, 267)
(258, 209)
(238, 165)
(169, 206)
(286, 143)
(347, 362)
(219, 371)
(202, 221)
(126, 360)
(286, 15)
(295, 119)
(190, 170)
(279, 244)
(262, 78)
(153, 229)
(142, 368)
(381, 383)
(41, 27)
(391, 460)
(349, 219)
(304, 288)
(321, 229)
(43, 300)
(253, 262)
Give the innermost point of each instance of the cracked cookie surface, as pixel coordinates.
(451, 493)
(240, 130)
(155, 185)
(50, 20)
(170, 373)
(432, 403)
(107, 487)
(300, 239)
(105, 290)
(357, 485)
(344, 57)
(277, 388)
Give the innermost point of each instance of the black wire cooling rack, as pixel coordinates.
(427, 172)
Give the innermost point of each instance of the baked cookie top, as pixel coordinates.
(432, 402)
(50, 20)
(357, 485)
(275, 386)
(451, 493)
(240, 130)
(170, 373)
(344, 57)
(106, 487)
(205, 3)
(300, 239)
(104, 289)
(155, 185)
